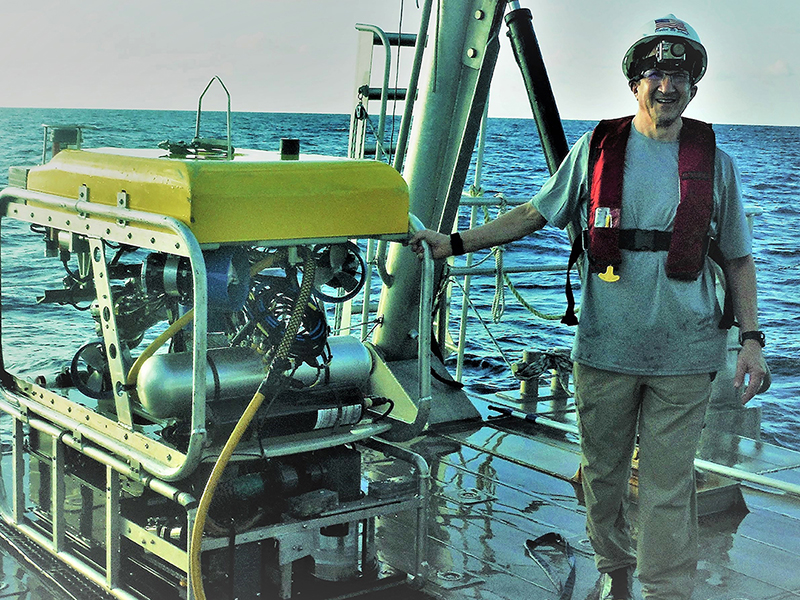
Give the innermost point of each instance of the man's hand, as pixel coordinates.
(439, 243)
(751, 363)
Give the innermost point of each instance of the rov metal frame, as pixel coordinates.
(128, 454)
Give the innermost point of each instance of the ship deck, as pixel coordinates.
(501, 481)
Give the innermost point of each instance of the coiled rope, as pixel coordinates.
(498, 302)
(555, 359)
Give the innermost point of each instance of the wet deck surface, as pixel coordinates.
(488, 502)
(29, 573)
(501, 482)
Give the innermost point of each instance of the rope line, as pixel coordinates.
(498, 302)
(485, 326)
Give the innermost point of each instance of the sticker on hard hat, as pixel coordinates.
(672, 25)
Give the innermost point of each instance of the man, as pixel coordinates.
(649, 342)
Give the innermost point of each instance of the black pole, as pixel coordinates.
(537, 84)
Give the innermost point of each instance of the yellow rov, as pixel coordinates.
(220, 260)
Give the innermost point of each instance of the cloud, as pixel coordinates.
(253, 41)
(779, 68)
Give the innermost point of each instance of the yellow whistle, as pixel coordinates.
(609, 275)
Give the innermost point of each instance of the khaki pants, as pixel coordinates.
(668, 414)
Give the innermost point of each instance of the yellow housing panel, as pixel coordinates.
(255, 197)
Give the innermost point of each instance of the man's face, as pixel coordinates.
(663, 95)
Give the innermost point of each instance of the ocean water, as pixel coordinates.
(768, 158)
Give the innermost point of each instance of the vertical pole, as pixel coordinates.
(462, 327)
(540, 94)
(57, 484)
(365, 308)
(465, 47)
(113, 529)
(18, 469)
(478, 191)
(191, 515)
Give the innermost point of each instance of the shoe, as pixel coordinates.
(617, 585)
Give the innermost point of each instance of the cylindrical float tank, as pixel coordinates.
(164, 384)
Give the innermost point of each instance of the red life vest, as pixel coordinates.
(688, 245)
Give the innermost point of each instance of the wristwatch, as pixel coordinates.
(753, 335)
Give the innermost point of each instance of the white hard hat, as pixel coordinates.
(669, 43)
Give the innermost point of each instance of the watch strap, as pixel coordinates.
(753, 335)
(456, 244)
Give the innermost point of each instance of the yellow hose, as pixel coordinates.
(170, 331)
(133, 374)
(296, 318)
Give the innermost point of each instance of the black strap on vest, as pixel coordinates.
(569, 317)
(644, 240)
(641, 240)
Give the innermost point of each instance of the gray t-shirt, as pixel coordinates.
(646, 323)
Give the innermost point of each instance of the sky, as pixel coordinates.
(299, 55)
